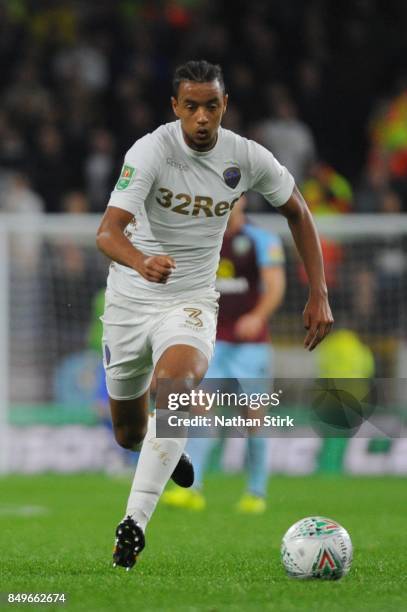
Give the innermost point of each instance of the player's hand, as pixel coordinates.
(157, 268)
(318, 320)
(248, 326)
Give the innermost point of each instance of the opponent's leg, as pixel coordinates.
(257, 469)
(159, 456)
(254, 500)
(253, 361)
(199, 450)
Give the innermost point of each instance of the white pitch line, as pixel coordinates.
(24, 511)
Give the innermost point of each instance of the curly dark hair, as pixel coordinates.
(199, 71)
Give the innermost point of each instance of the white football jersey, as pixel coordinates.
(181, 200)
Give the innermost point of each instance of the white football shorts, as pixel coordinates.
(136, 334)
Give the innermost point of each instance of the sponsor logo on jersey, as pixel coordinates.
(232, 176)
(126, 175)
(176, 164)
(199, 205)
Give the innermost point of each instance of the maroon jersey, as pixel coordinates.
(239, 276)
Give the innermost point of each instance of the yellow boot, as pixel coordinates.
(251, 504)
(190, 499)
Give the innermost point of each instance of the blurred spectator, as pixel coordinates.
(25, 250)
(344, 355)
(12, 146)
(310, 92)
(99, 167)
(74, 74)
(134, 123)
(57, 21)
(378, 192)
(27, 99)
(389, 133)
(333, 259)
(242, 85)
(75, 203)
(373, 184)
(391, 271)
(326, 191)
(362, 292)
(50, 168)
(390, 202)
(233, 119)
(75, 272)
(388, 147)
(18, 197)
(84, 62)
(209, 39)
(289, 139)
(378, 291)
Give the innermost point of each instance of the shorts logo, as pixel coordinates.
(107, 354)
(125, 177)
(193, 316)
(232, 176)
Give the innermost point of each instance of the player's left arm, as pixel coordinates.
(317, 314)
(250, 324)
(276, 184)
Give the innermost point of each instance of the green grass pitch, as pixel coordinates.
(210, 561)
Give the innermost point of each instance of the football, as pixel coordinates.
(317, 547)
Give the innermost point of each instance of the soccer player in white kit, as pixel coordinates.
(163, 230)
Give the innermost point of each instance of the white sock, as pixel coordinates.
(157, 461)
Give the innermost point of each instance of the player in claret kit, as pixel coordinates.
(251, 283)
(163, 230)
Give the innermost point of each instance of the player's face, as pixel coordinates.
(200, 107)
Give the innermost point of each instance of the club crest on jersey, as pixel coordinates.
(232, 176)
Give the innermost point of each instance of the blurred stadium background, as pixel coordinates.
(326, 91)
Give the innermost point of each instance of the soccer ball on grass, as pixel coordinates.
(316, 547)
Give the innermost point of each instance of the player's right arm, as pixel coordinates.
(127, 202)
(112, 241)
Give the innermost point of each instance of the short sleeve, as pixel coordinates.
(269, 249)
(137, 175)
(268, 177)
